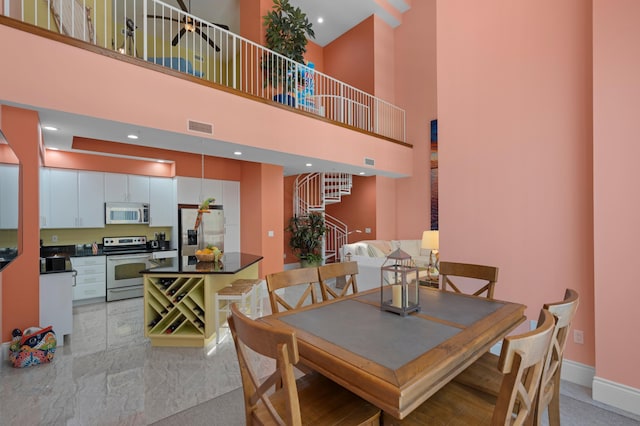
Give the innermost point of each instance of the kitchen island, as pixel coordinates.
(179, 297)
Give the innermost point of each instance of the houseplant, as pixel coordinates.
(286, 31)
(306, 238)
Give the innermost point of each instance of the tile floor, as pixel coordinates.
(108, 374)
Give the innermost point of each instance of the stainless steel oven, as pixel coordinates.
(126, 257)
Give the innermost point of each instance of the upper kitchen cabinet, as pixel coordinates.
(162, 205)
(126, 188)
(195, 190)
(71, 199)
(9, 184)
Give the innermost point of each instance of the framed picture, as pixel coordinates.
(434, 174)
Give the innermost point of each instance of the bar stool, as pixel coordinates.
(256, 294)
(241, 294)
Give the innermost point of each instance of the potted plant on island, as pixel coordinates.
(306, 238)
(287, 28)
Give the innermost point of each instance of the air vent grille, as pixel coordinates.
(196, 126)
(369, 162)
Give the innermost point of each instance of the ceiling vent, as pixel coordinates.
(369, 162)
(196, 126)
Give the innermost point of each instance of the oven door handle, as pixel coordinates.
(125, 257)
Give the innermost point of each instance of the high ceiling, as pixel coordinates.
(339, 16)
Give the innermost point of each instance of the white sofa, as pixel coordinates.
(371, 254)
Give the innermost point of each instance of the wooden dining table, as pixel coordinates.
(397, 362)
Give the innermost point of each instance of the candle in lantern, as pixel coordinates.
(396, 298)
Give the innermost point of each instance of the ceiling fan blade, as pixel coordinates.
(207, 39)
(175, 40)
(183, 6)
(223, 26)
(163, 17)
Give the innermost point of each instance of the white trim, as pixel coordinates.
(617, 395)
(4, 351)
(578, 373)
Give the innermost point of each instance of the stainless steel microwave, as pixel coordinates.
(120, 213)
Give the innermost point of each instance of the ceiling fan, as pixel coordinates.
(188, 24)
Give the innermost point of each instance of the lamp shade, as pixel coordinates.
(431, 240)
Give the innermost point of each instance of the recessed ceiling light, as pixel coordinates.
(53, 149)
(320, 20)
(237, 153)
(308, 164)
(362, 173)
(132, 136)
(50, 128)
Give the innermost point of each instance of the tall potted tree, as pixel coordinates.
(306, 238)
(287, 28)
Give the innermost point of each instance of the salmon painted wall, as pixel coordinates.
(21, 278)
(350, 57)
(616, 204)
(416, 92)
(358, 209)
(315, 54)
(261, 211)
(251, 13)
(384, 61)
(272, 196)
(515, 149)
(77, 74)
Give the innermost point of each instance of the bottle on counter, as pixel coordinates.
(94, 248)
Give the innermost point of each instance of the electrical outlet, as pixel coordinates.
(367, 230)
(54, 238)
(578, 336)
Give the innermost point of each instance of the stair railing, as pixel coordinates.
(208, 51)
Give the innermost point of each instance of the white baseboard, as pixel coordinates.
(4, 351)
(577, 373)
(617, 395)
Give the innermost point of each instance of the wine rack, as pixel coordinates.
(179, 306)
(175, 309)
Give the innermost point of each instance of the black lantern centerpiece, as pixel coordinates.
(403, 297)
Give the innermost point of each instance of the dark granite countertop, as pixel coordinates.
(230, 263)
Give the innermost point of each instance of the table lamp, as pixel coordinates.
(431, 241)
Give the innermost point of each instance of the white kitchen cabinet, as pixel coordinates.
(162, 205)
(9, 184)
(91, 281)
(63, 192)
(126, 188)
(56, 307)
(195, 190)
(71, 199)
(45, 197)
(231, 206)
(90, 199)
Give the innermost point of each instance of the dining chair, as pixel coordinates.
(311, 400)
(344, 274)
(483, 375)
(468, 270)
(521, 363)
(303, 279)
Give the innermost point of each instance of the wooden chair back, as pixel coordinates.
(274, 343)
(521, 362)
(549, 394)
(306, 278)
(345, 275)
(468, 270)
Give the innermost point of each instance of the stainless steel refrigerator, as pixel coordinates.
(209, 232)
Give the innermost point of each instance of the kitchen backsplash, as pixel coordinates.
(89, 235)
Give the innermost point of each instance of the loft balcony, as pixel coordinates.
(155, 32)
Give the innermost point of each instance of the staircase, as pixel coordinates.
(312, 193)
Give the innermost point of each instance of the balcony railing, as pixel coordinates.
(154, 31)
